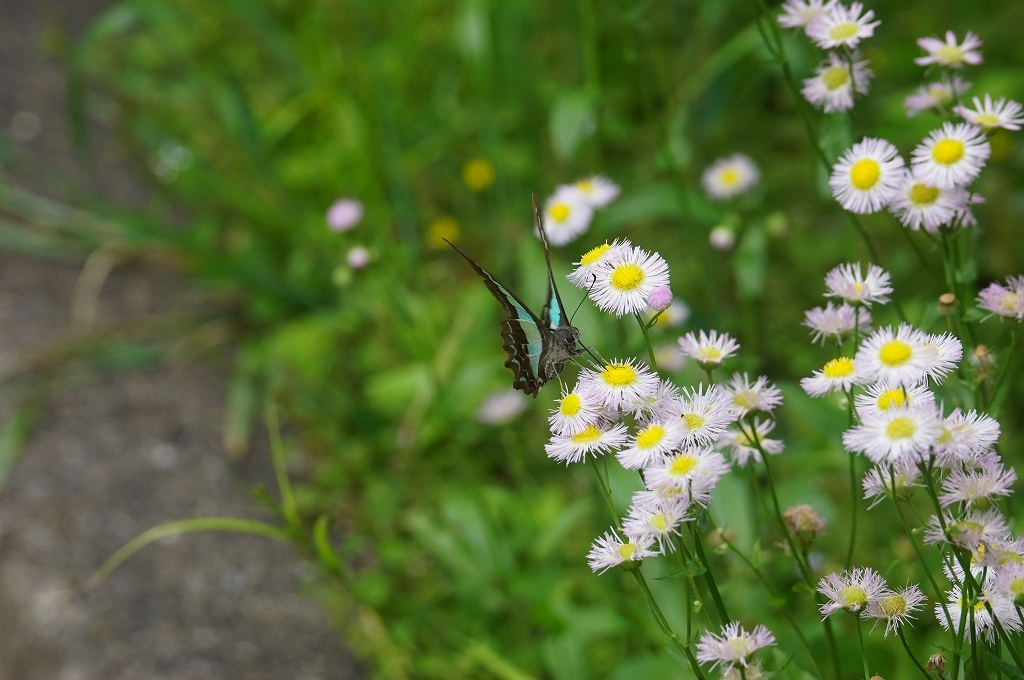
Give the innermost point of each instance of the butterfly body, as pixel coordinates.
(537, 348)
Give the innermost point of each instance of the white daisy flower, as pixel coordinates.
(501, 407)
(867, 176)
(974, 529)
(900, 433)
(837, 375)
(940, 95)
(882, 396)
(952, 612)
(918, 204)
(621, 384)
(842, 26)
(976, 489)
(655, 522)
(852, 590)
(965, 436)
(835, 83)
(593, 441)
(653, 442)
(730, 177)
(625, 278)
(949, 53)
(610, 551)
(597, 191)
(577, 410)
(799, 13)
(705, 414)
(567, 216)
(691, 473)
(664, 404)
(733, 646)
(951, 156)
(1006, 300)
(585, 273)
(907, 356)
(895, 607)
(883, 481)
(748, 397)
(831, 322)
(742, 448)
(708, 350)
(1005, 114)
(847, 282)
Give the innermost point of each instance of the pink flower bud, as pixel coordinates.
(358, 257)
(660, 298)
(722, 238)
(344, 214)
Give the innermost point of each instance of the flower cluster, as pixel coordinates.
(570, 209)
(864, 593)
(621, 278)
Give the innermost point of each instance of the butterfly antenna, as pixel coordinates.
(593, 282)
(596, 357)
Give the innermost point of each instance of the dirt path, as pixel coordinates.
(113, 455)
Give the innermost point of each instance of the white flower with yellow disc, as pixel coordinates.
(951, 156)
(835, 83)
(620, 384)
(730, 177)
(625, 278)
(567, 216)
(867, 176)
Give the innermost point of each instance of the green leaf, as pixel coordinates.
(1007, 669)
(324, 549)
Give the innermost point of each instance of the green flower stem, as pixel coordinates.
(662, 622)
(860, 643)
(288, 507)
(920, 558)
(853, 500)
(606, 492)
(906, 646)
(709, 577)
(647, 340)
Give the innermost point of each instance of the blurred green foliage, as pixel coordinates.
(253, 116)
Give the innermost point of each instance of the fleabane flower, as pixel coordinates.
(704, 413)
(951, 156)
(577, 410)
(835, 83)
(733, 646)
(885, 480)
(830, 322)
(1008, 581)
(593, 440)
(799, 13)
(965, 436)
(652, 442)
(974, 529)
(853, 590)
(842, 26)
(977, 488)
(690, 473)
(597, 191)
(625, 279)
(620, 384)
(882, 396)
(748, 397)
(1005, 113)
(708, 349)
(898, 434)
(658, 521)
(730, 177)
(847, 282)
(662, 405)
(837, 375)
(611, 550)
(939, 95)
(742, 442)
(895, 607)
(907, 356)
(585, 274)
(977, 617)
(567, 216)
(867, 176)
(949, 53)
(1005, 300)
(918, 204)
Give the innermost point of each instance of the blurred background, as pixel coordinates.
(168, 267)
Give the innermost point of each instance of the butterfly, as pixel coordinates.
(537, 348)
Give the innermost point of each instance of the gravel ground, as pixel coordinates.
(114, 454)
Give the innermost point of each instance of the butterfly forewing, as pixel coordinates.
(553, 314)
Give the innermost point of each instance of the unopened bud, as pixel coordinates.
(722, 237)
(937, 663)
(877, 677)
(660, 298)
(947, 301)
(805, 522)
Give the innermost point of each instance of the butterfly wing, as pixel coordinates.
(553, 314)
(522, 332)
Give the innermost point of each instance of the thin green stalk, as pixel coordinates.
(906, 646)
(708, 576)
(606, 492)
(860, 643)
(647, 340)
(853, 503)
(920, 558)
(284, 487)
(663, 623)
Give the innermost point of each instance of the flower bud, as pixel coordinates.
(660, 298)
(947, 301)
(722, 237)
(937, 663)
(344, 214)
(805, 522)
(358, 257)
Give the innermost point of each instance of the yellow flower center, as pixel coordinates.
(944, 436)
(594, 254)
(894, 396)
(588, 436)
(835, 77)
(895, 353)
(987, 120)
(683, 464)
(559, 212)
(627, 277)
(839, 367)
(694, 421)
(619, 375)
(709, 354)
(478, 174)
(1017, 586)
(950, 54)
(659, 522)
(922, 194)
(440, 229)
(650, 436)
(571, 405)
(844, 30)
(893, 606)
(729, 176)
(948, 151)
(1010, 302)
(626, 551)
(901, 428)
(585, 185)
(744, 399)
(940, 93)
(864, 173)
(854, 596)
